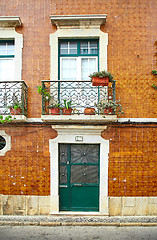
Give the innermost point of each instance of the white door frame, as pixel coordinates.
(87, 135)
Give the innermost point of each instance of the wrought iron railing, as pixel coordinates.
(81, 93)
(13, 93)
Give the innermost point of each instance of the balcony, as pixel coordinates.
(82, 95)
(14, 93)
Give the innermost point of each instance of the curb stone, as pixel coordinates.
(53, 224)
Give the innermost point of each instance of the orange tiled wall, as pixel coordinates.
(25, 169)
(132, 160)
(131, 25)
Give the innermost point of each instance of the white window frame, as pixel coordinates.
(10, 33)
(74, 34)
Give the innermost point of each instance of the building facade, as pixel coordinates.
(53, 163)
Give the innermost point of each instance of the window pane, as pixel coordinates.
(93, 48)
(64, 48)
(72, 48)
(84, 47)
(7, 48)
(68, 69)
(6, 69)
(68, 48)
(88, 66)
(2, 48)
(89, 47)
(10, 49)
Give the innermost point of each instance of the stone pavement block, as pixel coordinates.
(19, 205)
(44, 205)
(32, 203)
(8, 204)
(128, 201)
(152, 210)
(141, 206)
(152, 200)
(128, 211)
(115, 206)
(1, 204)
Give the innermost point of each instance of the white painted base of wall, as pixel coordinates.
(41, 205)
(133, 206)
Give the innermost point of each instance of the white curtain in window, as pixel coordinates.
(6, 69)
(69, 69)
(88, 66)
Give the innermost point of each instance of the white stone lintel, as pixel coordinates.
(10, 21)
(78, 21)
(79, 129)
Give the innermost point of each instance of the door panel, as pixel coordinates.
(85, 198)
(79, 177)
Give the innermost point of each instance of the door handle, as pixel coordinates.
(65, 186)
(77, 184)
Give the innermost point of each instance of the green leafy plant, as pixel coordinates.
(44, 93)
(116, 107)
(154, 72)
(15, 105)
(102, 74)
(154, 86)
(54, 104)
(6, 119)
(68, 104)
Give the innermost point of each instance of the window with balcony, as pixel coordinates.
(78, 48)
(13, 91)
(7, 54)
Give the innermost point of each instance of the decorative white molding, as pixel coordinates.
(8, 143)
(10, 21)
(90, 135)
(12, 34)
(78, 21)
(79, 118)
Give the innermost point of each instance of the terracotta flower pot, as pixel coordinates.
(17, 111)
(67, 111)
(108, 111)
(96, 81)
(89, 111)
(55, 111)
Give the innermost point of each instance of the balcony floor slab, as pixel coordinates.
(17, 118)
(79, 118)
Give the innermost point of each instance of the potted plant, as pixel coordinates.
(46, 96)
(54, 107)
(101, 78)
(109, 107)
(44, 93)
(67, 109)
(89, 111)
(15, 107)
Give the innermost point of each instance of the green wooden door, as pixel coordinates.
(79, 177)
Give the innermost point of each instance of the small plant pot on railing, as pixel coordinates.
(55, 111)
(67, 111)
(17, 111)
(89, 111)
(96, 81)
(101, 78)
(108, 111)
